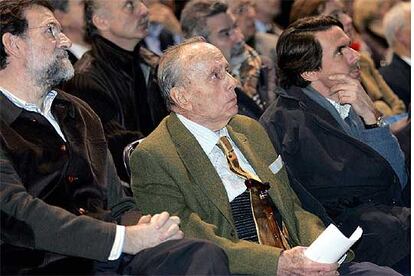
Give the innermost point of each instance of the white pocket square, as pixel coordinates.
(276, 165)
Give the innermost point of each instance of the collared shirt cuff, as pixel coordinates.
(118, 243)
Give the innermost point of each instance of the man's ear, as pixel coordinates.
(310, 75)
(180, 98)
(12, 44)
(100, 22)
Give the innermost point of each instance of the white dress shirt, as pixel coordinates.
(45, 111)
(208, 140)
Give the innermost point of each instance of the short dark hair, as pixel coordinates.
(12, 20)
(298, 50)
(194, 16)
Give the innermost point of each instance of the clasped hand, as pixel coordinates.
(151, 231)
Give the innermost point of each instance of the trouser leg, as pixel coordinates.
(366, 269)
(181, 257)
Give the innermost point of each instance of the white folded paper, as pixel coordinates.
(331, 245)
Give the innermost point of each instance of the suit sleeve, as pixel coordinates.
(156, 191)
(31, 223)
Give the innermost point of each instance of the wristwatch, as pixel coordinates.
(379, 123)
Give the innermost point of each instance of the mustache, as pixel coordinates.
(355, 66)
(237, 49)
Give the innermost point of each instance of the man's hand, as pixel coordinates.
(164, 15)
(294, 262)
(350, 91)
(151, 231)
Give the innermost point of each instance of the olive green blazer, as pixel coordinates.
(170, 171)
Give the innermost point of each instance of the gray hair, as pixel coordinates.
(170, 68)
(395, 19)
(195, 14)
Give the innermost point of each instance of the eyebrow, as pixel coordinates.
(343, 46)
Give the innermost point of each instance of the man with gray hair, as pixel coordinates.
(62, 207)
(117, 76)
(207, 164)
(397, 31)
(214, 21)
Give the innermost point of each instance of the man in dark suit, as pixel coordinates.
(117, 76)
(397, 30)
(62, 206)
(333, 142)
(182, 168)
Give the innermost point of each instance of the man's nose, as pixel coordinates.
(237, 36)
(353, 56)
(231, 82)
(64, 41)
(142, 10)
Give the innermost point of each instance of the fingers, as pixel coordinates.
(170, 231)
(144, 219)
(160, 219)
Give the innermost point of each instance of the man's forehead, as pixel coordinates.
(219, 22)
(39, 15)
(332, 37)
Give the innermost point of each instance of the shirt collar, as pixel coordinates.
(46, 105)
(407, 60)
(343, 109)
(204, 136)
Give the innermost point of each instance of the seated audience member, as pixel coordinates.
(397, 30)
(266, 12)
(200, 160)
(117, 76)
(367, 17)
(164, 28)
(60, 197)
(213, 21)
(332, 141)
(70, 15)
(385, 100)
(263, 43)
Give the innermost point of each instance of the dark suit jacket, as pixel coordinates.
(170, 171)
(398, 76)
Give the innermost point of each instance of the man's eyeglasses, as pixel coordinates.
(51, 29)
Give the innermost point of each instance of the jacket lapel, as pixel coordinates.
(199, 166)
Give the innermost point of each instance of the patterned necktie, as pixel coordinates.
(268, 229)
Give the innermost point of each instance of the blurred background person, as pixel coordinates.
(397, 31)
(70, 15)
(164, 28)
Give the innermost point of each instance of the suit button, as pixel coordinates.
(63, 147)
(72, 178)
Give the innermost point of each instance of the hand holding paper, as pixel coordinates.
(331, 245)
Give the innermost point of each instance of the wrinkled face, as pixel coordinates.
(225, 35)
(336, 9)
(245, 14)
(46, 60)
(210, 86)
(337, 56)
(127, 20)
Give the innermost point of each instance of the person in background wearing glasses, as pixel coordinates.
(117, 76)
(201, 161)
(62, 206)
(384, 99)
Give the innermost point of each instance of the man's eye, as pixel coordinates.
(129, 5)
